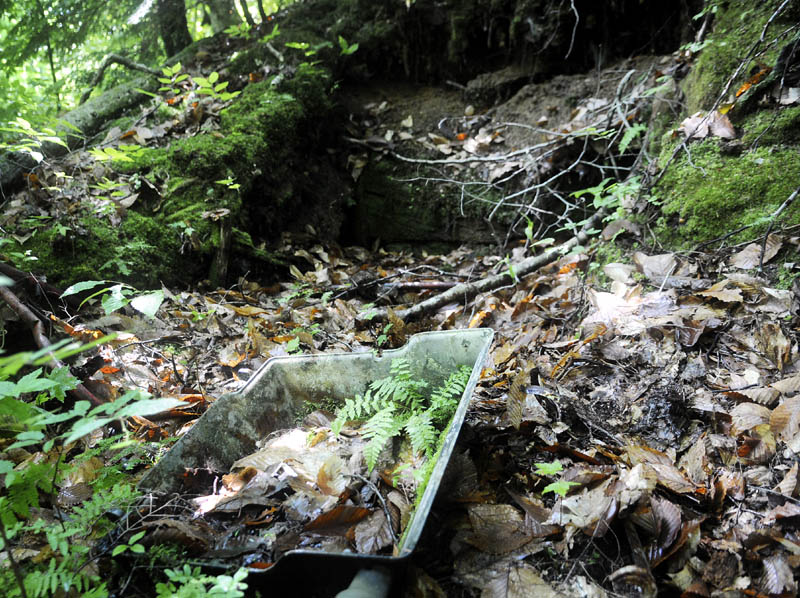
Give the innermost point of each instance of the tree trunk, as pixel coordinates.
(247, 16)
(223, 14)
(172, 26)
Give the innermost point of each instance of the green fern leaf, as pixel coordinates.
(422, 433)
(378, 430)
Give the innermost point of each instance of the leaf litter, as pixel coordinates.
(669, 397)
(673, 413)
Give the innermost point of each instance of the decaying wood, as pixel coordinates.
(465, 291)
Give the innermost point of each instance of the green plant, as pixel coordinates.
(346, 49)
(54, 433)
(383, 337)
(123, 153)
(172, 76)
(192, 583)
(29, 140)
(240, 30)
(228, 182)
(559, 487)
(396, 404)
(209, 86)
(115, 296)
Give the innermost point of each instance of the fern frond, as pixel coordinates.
(445, 398)
(422, 433)
(378, 430)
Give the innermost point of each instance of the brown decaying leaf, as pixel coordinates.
(515, 404)
(193, 536)
(497, 529)
(74, 494)
(747, 416)
(787, 385)
(785, 420)
(750, 257)
(790, 484)
(337, 521)
(700, 126)
(777, 578)
(774, 344)
(373, 533)
(518, 580)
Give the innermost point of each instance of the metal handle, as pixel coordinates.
(368, 583)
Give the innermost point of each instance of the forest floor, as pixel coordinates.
(634, 430)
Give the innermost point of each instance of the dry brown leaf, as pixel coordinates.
(671, 478)
(747, 416)
(664, 264)
(194, 536)
(515, 403)
(778, 578)
(785, 422)
(763, 396)
(750, 256)
(695, 462)
(758, 446)
(337, 521)
(667, 519)
(774, 344)
(719, 292)
(373, 533)
(700, 126)
(788, 510)
(790, 484)
(497, 529)
(787, 385)
(518, 580)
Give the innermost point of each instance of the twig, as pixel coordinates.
(377, 492)
(80, 392)
(275, 52)
(466, 291)
(772, 219)
(118, 59)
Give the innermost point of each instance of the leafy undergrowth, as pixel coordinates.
(632, 440)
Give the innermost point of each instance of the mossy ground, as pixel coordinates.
(737, 26)
(140, 250)
(713, 188)
(712, 194)
(171, 238)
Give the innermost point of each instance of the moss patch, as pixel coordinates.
(261, 145)
(713, 194)
(738, 24)
(140, 250)
(771, 127)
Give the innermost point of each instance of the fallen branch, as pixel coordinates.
(80, 392)
(36, 284)
(466, 291)
(115, 59)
